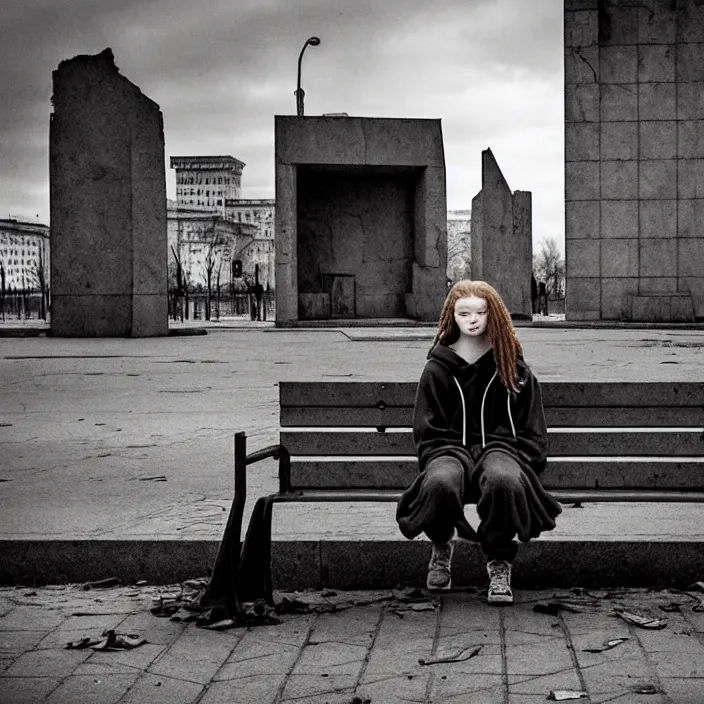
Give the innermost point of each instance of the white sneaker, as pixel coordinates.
(439, 575)
(499, 582)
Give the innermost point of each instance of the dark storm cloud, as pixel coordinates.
(221, 69)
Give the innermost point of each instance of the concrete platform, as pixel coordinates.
(121, 451)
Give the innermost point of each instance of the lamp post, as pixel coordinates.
(299, 93)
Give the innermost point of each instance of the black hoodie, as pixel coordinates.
(464, 410)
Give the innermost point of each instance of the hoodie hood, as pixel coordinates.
(465, 407)
(471, 381)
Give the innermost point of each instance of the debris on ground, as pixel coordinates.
(103, 583)
(359, 700)
(562, 695)
(606, 645)
(641, 621)
(418, 606)
(646, 689)
(111, 640)
(461, 656)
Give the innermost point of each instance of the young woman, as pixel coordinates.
(480, 434)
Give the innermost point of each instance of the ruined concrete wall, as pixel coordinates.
(340, 219)
(390, 232)
(502, 238)
(634, 151)
(108, 204)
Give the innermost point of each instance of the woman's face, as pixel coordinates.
(471, 316)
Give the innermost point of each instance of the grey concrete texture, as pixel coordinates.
(130, 442)
(633, 160)
(108, 204)
(502, 238)
(353, 647)
(358, 177)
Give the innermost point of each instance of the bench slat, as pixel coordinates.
(555, 393)
(557, 417)
(564, 496)
(398, 474)
(571, 444)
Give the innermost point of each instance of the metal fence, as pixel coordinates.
(195, 306)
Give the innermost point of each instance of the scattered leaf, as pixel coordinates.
(562, 695)
(461, 656)
(642, 621)
(102, 583)
(607, 645)
(646, 689)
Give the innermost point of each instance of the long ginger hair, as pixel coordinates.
(500, 331)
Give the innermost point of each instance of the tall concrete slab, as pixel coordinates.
(360, 219)
(634, 160)
(108, 204)
(502, 238)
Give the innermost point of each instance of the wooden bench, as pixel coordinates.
(351, 441)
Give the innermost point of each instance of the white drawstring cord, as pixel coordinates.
(508, 405)
(464, 414)
(482, 413)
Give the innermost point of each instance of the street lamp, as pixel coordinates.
(299, 93)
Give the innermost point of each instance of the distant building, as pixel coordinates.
(459, 240)
(24, 255)
(207, 181)
(202, 239)
(261, 214)
(210, 185)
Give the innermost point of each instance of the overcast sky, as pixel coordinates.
(491, 70)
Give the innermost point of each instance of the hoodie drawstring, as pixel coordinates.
(510, 417)
(464, 414)
(464, 411)
(482, 412)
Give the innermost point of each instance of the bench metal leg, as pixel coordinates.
(255, 561)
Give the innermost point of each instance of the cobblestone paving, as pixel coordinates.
(368, 649)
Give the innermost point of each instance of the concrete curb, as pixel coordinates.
(356, 565)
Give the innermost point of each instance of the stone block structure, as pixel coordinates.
(634, 151)
(108, 204)
(502, 239)
(360, 218)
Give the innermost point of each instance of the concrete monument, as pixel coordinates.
(108, 204)
(502, 239)
(360, 218)
(634, 151)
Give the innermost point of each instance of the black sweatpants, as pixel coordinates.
(511, 503)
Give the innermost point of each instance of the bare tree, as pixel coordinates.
(549, 266)
(178, 284)
(459, 258)
(41, 281)
(211, 259)
(2, 291)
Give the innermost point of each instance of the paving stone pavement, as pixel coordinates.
(355, 647)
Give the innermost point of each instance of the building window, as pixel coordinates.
(219, 201)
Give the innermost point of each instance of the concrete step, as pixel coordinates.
(357, 564)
